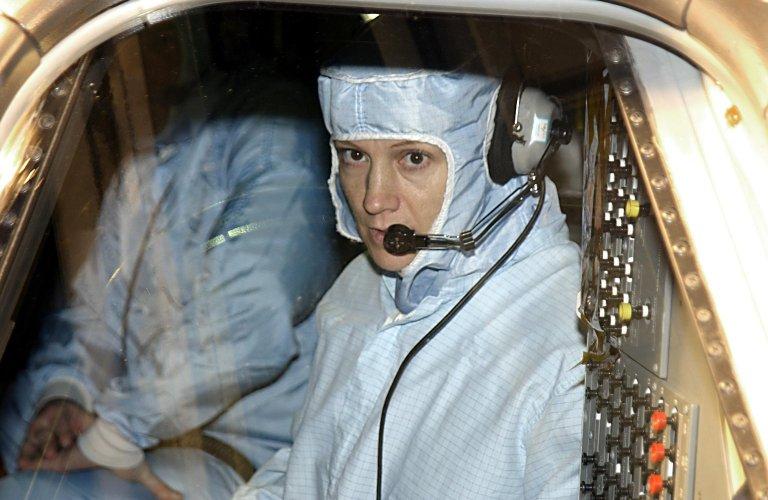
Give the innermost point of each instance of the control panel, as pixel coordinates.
(639, 436)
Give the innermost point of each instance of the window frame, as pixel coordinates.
(31, 188)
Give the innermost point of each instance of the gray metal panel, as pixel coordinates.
(635, 263)
(688, 375)
(49, 21)
(648, 344)
(737, 31)
(669, 11)
(18, 58)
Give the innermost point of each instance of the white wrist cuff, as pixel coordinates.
(66, 388)
(104, 444)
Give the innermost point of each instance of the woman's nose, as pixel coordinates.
(381, 192)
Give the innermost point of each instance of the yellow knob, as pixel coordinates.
(632, 209)
(625, 311)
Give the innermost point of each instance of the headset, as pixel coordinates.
(528, 125)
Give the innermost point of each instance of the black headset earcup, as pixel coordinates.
(499, 158)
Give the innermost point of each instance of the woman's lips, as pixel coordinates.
(377, 235)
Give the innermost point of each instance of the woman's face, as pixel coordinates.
(391, 182)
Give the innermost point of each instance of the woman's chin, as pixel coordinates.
(389, 262)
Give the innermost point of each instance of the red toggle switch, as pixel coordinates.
(656, 452)
(655, 484)
(658, 421)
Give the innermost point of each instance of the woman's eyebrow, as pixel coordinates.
(403, 143)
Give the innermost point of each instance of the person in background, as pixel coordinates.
(183, 350)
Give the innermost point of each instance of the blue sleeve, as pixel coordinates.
(79, 349)
(266, 258)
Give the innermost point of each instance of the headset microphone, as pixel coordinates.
(401, 239)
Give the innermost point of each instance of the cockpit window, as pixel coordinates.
(191, 240)
(223, 205)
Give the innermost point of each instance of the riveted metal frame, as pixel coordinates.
(692, 285)
(27, 206)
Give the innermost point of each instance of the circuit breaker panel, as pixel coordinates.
(634, 280)
(639, 436)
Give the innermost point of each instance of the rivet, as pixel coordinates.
(636, 118)
(740, 420)
(46, 121)
(703, 315)
(733, 116)
(34, 153)
(31, 175)
(625, 87)
(680, 248)
(692, 281)
(752, 459)
(727, 387)
(668, 215)
(659, 183)
(61, 89)
(714, 348)
(614, 55)
(9, 219)
(647, 150)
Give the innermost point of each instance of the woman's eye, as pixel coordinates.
(415, 159)
(352, 156)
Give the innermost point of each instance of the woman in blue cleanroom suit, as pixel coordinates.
(184, 315)
(492, 406)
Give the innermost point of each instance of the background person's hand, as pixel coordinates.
(54, 430)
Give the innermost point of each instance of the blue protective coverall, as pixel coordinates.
(492, 407)
(183, 315)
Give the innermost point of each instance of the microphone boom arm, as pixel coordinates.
(400, 239)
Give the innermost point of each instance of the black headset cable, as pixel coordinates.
(448, 317)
